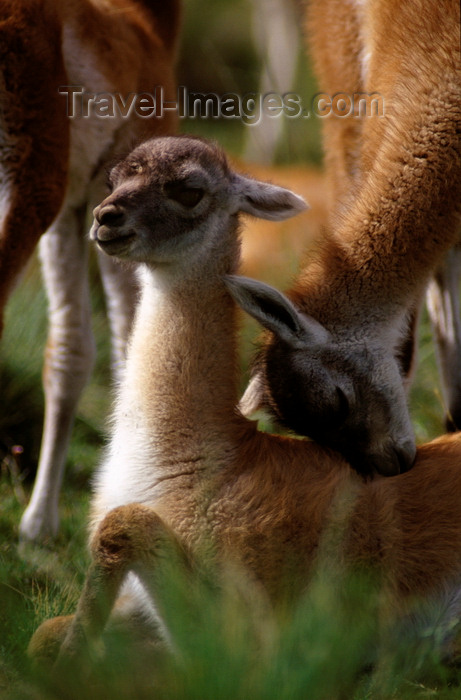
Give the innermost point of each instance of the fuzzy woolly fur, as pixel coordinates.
(396, 184)
(187, 477)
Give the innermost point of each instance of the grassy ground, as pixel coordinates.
(322, 650)
(318, 651)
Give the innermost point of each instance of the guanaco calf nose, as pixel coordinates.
(109, 215)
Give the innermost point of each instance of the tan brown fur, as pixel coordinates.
(398, 195)
(404, 177)
(396, 191)
(36, 113)
(268, 513)
(187, 481)
(39, 155)
(52, 170)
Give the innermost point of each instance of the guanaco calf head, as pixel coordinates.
(174, 200)
(347, 395)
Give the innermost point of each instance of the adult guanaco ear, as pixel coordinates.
(264, 200)
(275, 312)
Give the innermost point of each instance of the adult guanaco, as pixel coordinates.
(397, 184)
(55, 146)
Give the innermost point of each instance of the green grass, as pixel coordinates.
(228, 646)
(324, 648)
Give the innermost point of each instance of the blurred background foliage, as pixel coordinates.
(219, 54)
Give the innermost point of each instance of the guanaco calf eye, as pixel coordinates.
(180, 192)
(136, 168)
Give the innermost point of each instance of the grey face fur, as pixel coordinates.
(345, 395)
(174, 196)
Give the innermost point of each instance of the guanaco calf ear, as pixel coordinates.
(275, 311)
(264, 200)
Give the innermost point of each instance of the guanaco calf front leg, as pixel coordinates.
(130, 538)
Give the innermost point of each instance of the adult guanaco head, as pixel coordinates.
(348, 395)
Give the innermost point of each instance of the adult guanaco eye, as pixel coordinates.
(184, 194)
(343, 401)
